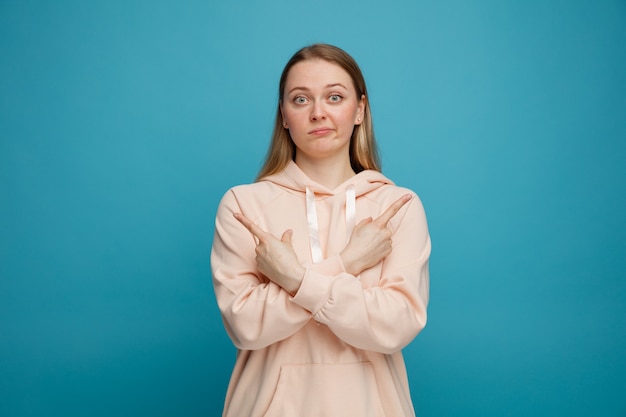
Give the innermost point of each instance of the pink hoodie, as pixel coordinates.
(333, 349)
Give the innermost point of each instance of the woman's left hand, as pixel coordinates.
(276, 258)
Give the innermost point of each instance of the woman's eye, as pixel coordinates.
(299, 100)
(335, 98)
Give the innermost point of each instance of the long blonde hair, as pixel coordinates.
(363, 149)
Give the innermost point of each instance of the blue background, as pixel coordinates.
(123, 122)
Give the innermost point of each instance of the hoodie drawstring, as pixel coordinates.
(350, 211)
(314, 234)
(311, 215)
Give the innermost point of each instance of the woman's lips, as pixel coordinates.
(320, 131)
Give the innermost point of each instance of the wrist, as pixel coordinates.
(295, 280)
(350, 265)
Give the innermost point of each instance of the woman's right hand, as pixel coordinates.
(370, 241)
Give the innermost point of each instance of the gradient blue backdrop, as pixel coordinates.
(123, 122)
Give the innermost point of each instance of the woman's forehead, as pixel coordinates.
(317, 73)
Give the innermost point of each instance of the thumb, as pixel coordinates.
(365, 221)
(287, 236)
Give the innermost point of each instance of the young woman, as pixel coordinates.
(321, 266)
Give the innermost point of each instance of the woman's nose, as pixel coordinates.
(317, 111)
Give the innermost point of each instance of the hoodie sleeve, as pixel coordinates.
(256, 312)
(384, 318)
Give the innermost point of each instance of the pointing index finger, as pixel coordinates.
(251, 226)
(394, 208)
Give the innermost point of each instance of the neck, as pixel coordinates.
(327, 172)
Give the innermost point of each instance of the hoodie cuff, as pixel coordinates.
(314, 291)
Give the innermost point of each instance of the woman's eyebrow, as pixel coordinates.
(337, 85)
(297, 88)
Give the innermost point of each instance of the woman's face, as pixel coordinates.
(320, 108)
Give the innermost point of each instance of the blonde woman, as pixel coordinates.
(320, 267)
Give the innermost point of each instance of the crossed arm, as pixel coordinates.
(267, 299)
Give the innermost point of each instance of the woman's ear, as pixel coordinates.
(360, 112)
(282, 114)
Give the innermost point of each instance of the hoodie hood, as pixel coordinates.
(293, 178)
